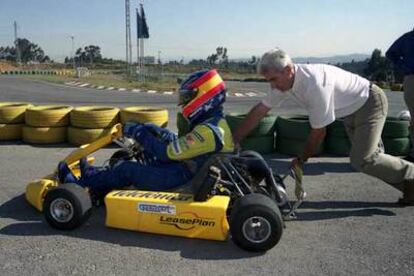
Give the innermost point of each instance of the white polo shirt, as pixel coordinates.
(325, 91)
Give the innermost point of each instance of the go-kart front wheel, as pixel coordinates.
(256, 223)
(67, 206)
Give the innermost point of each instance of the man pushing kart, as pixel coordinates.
(175, 160)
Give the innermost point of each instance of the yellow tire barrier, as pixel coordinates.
(82, 136)
(13, 113)
(10, 132)
(44, 135)
(141, 114)
(48, 116)
(94, 117)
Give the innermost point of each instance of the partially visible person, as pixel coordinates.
(178, 159)
(327, 92)
(401, 53)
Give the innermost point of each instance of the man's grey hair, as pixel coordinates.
(275, 59)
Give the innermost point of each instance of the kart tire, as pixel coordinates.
(336, 145)
(255, 208)
(293, 146)
(397, 146)
(94, 117)
(183, 125)
(263, 145)
(120, 155)
(396, 128)
(74, 199)
(82, 136)
(48, 115)
(13, 113)
(10, 132)
(142, 114)
(295, 127)
(266, 126)
(337, 129)
(44, 135)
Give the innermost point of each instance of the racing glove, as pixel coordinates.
(151, 144)
(132, 129)
(163, 134)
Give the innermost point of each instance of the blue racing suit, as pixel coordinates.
(177, 158)
(401, 53)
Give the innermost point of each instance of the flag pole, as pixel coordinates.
(138, 58)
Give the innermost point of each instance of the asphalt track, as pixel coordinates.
(349, 224)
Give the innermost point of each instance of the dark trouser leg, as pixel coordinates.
(365, 127)
(409, 101)
(153, 178)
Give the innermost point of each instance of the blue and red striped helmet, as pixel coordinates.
(200, 93)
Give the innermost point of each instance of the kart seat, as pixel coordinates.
(204, 180)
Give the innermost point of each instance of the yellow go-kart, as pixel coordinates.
(234, 194)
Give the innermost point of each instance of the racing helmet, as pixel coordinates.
(201, 93)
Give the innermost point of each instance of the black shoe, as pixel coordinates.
(408, 194)
(409, 158)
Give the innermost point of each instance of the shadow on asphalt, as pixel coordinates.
(316, 168)
(58, 145)
(30, 223)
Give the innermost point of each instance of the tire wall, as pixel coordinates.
(261, 138)
(291, 135)
(12, 117)
(49, 124)
(396, 136)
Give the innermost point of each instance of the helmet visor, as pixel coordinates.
(186, 95)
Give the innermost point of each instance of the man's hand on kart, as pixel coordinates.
(297, 162)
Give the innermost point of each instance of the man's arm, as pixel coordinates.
(315, 137)
(250, 122)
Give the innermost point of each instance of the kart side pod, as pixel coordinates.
(168, 213)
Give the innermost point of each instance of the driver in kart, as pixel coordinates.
(175, 159)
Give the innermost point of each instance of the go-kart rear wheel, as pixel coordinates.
(256, 223)
(67, 206)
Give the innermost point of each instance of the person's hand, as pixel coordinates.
(237, 147)
(296, 162)
(131, 129)
(154, 129)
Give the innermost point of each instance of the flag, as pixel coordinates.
(142, 27)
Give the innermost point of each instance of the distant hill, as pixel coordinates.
(332, 59)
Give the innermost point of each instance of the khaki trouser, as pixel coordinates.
(364, 128)
(409, 101)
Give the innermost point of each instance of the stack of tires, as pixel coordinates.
(291, 135)
(12, 120)
(261, 138)
(396, 136)
(337, 141)
(141, 114)
(88, 123)
(46, 124)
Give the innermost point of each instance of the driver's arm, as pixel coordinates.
(200, 140)
(250, 122)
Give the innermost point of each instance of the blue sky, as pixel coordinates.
(194, 28)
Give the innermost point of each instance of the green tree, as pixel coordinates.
(379, 68)
(28, 52)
